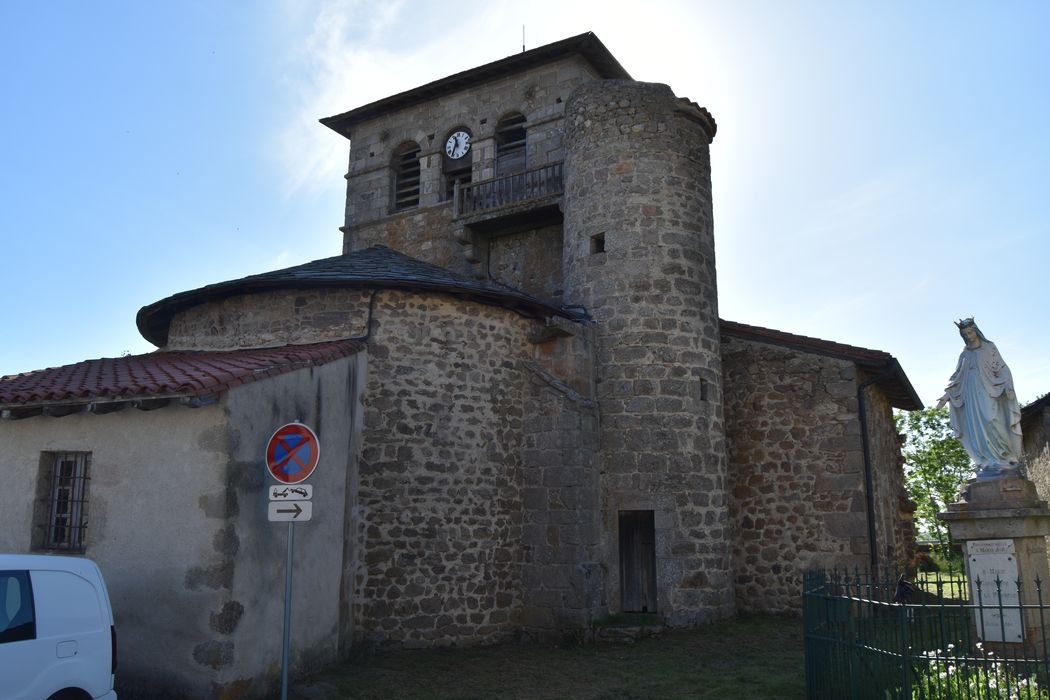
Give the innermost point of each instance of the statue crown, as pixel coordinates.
(964, 323)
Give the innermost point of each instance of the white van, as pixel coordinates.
(57, 639)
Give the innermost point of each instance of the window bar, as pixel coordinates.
(66, 520)
(80, 503)
(983, 662)
(1024, 641)
(1043, 652)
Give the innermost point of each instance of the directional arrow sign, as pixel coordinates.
(294, 512)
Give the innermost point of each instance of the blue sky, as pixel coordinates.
(879, 168)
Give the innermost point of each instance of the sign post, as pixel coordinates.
(286, 636)
(291, 457)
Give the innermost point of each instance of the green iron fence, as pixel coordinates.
(876, 638)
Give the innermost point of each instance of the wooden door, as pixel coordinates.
(637, 561)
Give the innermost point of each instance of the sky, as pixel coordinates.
(879, 169)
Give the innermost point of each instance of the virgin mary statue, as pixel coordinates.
(982, 405)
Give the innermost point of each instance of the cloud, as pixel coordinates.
(342, 55)
(338, 62)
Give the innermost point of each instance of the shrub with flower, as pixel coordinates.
(944, 674)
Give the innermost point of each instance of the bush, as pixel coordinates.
(946, 560)
(985, 678)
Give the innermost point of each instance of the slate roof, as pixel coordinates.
(1031, 410)
(163, 374)
(587, 45)
(377, 267)
(893, 381)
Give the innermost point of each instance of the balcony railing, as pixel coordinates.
(507, 190)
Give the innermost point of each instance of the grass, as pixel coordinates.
(751, 657)
(952, 585)
(630, 620)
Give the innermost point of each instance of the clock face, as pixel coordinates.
(457, 145)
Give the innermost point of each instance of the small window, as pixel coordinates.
(598, 243)
(17, 615)
(63, 500)
(406, 178)
(452, 177)
(510, 145)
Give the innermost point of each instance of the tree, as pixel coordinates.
(935, 468)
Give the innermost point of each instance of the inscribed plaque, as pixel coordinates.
(999, 617)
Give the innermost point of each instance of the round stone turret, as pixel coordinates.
(639, 255)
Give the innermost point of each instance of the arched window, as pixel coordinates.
(510, 144)
(406, 177)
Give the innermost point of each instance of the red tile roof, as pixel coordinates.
(164, 374)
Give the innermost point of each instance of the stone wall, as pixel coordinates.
(441, 473)
(265, 319)
(436, 552)
(563, 580)
(1035, 430)
(894, 528)
(539, 94)
(639, 255)
(796, 470)
(422, 232)
(529, 260)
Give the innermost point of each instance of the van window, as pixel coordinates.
(17, 617)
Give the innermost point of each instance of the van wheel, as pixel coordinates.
(70, 694)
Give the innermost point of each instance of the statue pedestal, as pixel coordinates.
(1003, 524)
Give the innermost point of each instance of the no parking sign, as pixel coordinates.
(292, 453)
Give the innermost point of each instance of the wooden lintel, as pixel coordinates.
(198, 401)
(150, 404)
(20, 413)
(108, 407)
(59, 410)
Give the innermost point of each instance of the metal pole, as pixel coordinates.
(287, 612)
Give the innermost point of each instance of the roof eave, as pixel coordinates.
(897, 387)
(586, 45)
(891, 377)
(154, 320)
(1033, 408)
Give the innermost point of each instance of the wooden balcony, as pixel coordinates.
(516, 196)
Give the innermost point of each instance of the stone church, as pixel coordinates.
(531, 416)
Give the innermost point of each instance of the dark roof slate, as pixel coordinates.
(1032, 409)
(377, 267)
(163, 374)
(892, 379)
(587, 45)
